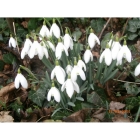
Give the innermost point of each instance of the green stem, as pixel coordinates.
(60, 26)
(137, 116)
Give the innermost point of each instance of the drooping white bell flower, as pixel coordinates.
(26, 47)
(81, 64)
(45, 51)
(59, 72)
(77, 71)
(70, 86)
(59, 48)
(68, 42)
(124, 52)
(137, 70)
(12, 42)
(55, 30)
(55, 93)
(44, 31)
(106, 55)
(36, 49)
(115, 49)
(50, 45)
(68, 68)
(111, 42)
(20, 79)
(119, 63)
(92, 39)
(88, 55)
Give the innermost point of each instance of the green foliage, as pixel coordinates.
(97, 24)
(1, 65)
(9, 58)
(105, 39)
(76, 34)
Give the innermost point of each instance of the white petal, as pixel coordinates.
(82, 74)
(17, 81)
(97, 39)
(91, 40)
(69, 88)
(23, 81)
(53, 74)
(40, 51)
(51, 46)
(102, 57)
(63, 71)
(71, 43)
(66, 51)
(44, 31)
(33, 49)
(128, 54)
(55, 30)
(76, 87)
(81, 64)
(74, 74)
(108, 57)
(59, 75)
(49, 95)
(115, 50)
(12, 42)
(63, 86)
(27, 44)
(137, 70)
(88, 56)
(56, 94)
(69, 69)
(23, 53)
(45, 52)
(59, 49)
(67, 41)
(120, 54)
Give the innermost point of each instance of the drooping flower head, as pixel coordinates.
(80, 63)
(92, 39)
(54, 92)
(55, 30)
(59, 72)
(12, 42)
(106, 55)
(68, 42)
(70, 86)
(88, 55)
(20, 79)
(69, 68)
(124, 52)
(111, 41)
(45, 51)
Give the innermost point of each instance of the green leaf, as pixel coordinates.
(76, 34)
(105, 40)
(1, 38)
(9, 58)
(97, 24)
(32, 24)
(1, 65)
(132, 102)
(71, 104)
(87, 105)
(80, 98)
(83, 87)
(132, 36)
(3, 23)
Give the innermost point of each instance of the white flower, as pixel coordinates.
(55, 30)
(12, 42)
(106, 54)
(111, 43)
(55, 93)
(60, 74)
(68, 42)
(70, 87)
(92, 39)
(119, 63)
(137, 70)
(26, 48)
(20, 79)
(124, 53)
(44, 32)
(36, 49)
(51, 45)
(115, 49)
(59, 48)
(88, 56)
(81, 64)
(69, 69)
(45, 51)
(77, 71)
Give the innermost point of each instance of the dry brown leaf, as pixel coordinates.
(24, 24)
(100, 116)
(94, 120)
(116, 105)
(96, 54)
(5, 117)
(120, 119)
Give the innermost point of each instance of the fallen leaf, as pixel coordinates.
(5, 117)
(94, 120)
(120, 119)
(116, 105)
(96, 54)
(24, 24)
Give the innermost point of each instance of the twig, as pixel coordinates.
(104, 28)
(126, 82)
(125, 26)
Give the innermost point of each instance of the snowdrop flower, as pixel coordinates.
(55, 29)
(111, 42)
(137, 70)
(54, 92)
(36, 49)
(69, 68)
(12, 42)
(124, 53)
(81, 64)
(92, 39)
(106, 55)
(44, 31)
(119, 63)
(45, 51)
(59, 72)
(26, 47)
(115, 49)
(20, 79)
(59, 48)
(70, 86)
(77, 71)
(88, 55)
(68, 42)
(50, 45)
